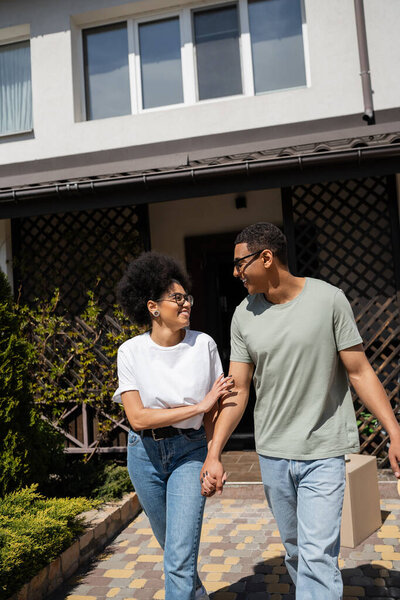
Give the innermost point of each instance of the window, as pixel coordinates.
(15, 88)
(105, 52)
(192, 54)
(277, 44)
(160, 60)
(216, 35)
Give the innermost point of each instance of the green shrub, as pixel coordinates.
(29, 447)
(34, 531)
(49, 364)
(114, 483)
(99, 478)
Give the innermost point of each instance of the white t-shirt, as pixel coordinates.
(172, 376)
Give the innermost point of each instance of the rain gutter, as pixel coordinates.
(204, 173)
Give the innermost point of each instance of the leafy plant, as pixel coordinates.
(34, 531)
(29, 447)
(75, 360)
(98, 478)
(371, 423)
(115, 482)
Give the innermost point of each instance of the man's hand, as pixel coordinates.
(394, 456)
(212, 477)
(231, 409)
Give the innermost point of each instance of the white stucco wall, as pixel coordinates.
(171, 222)
(5, 249)
(382, 23)
(334, 89)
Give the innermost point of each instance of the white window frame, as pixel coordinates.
(14, 35)
(82, 83)
(306, 45)
(307, 70)
(188, 54)
(210, 6)
(138, 67)
(188, 58)
(81, 59)
(246, 52)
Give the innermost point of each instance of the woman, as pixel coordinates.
(170, 379)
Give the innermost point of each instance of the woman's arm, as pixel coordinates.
(140, 417)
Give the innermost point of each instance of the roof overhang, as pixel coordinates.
(155, 173)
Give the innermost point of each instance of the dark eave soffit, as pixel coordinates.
(354, 156)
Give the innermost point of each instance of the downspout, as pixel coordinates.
(364, 62)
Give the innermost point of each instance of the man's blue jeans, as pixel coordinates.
(166, 478)
(306, 499)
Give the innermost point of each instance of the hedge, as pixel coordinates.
(34, 530)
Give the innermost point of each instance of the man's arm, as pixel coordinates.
(232, 406)
(372, 394)
(209, 421)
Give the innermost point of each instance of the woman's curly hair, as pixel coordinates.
(148, 278)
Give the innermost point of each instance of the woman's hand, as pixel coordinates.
(140, 417)
(221, 385)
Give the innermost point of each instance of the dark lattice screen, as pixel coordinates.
(343, 235)
(76, 252)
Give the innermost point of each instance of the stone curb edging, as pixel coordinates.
(103, 524)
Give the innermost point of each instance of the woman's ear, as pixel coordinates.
(152, 307)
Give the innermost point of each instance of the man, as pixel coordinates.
(299, 337)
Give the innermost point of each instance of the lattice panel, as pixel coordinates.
(343, 236)
(76, 252)
(96, 423)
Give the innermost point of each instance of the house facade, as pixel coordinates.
(173, 125)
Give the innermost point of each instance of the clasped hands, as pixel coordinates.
(212, 477)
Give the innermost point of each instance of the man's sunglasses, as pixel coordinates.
(237, 263)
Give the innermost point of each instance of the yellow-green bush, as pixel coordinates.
(33, 531)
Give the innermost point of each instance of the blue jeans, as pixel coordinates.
(306, 498)
(166, 478)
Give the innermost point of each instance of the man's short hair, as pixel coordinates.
(261, 236)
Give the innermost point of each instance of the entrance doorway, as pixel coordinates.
(217, 293)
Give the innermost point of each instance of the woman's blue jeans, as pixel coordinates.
(306, 499)
(166, 478)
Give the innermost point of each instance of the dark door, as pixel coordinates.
(217, 293)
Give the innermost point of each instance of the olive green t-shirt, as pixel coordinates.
(303, 407)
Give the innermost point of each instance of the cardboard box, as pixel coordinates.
(361, 507)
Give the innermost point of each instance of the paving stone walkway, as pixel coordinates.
(241, 557)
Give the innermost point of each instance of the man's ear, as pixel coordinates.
(267, 258)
